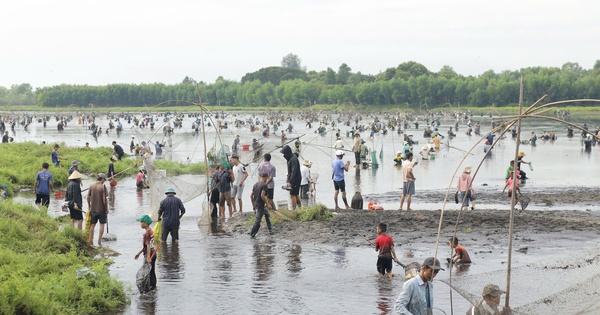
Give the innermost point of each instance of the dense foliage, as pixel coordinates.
(39, 266)
(410, 84)
(17, 94)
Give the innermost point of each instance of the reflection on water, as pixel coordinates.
(171, 269)
(263, 259)
(385, 296)
(294, 262)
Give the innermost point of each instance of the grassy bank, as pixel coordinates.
(318, 212)
(38, 267)
(23, 160)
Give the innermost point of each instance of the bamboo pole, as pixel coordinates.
(513, 199)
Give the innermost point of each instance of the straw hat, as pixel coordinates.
(467, 170)
(307, 163)
(75, 175)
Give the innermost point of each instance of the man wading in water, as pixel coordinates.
(339, 167)
(98, 206)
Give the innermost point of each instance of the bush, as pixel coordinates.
(38, 267)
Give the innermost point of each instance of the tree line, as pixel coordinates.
(410, 84)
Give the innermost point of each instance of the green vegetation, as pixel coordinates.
(39, 261)
(318, 212)
(409, 83)
(22, 161)
(17, 94)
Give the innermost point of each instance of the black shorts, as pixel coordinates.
(384, 265)
(174, 231)
(44, 200)
(75, 214)
(98, 217)
(295, 190)
(270, 193)
(339, 185)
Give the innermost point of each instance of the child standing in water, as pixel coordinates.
(385, 245)
(148, 248)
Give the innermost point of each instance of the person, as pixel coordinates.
(489, 303)
(398, 158)
(98, 207)
(214, 192)
(385, 245)
(436, 142)
(5, 137)
(158, 147)
(239, 174)
(510, 183)
(520, 160)
(356, 148)
(267, 168)
(338, 144)
(294, 177)
(170, 211)
(339, 167)
(139, 179)
(148, 248)
(408, 179)
(461, 256)
(417, 293)
(74, 199)
(236, 144)
(118, 150)
(305, 183)
(43, 186)
(74, 167)
(261, 204)
(465, 187)
(55, 157)
(132, 144)
(224, 179)
(111, 168)
(533, 138)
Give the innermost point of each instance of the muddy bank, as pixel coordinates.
(489, 228)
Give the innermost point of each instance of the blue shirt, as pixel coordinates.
(338, 170)
(43, 178)
(170, 209)
(412, 299)
(54, 157)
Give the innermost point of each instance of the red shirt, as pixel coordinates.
(462, 253)
(384, 243)
(148, 240)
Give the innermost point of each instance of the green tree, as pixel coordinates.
(292, 61)
(344, 72)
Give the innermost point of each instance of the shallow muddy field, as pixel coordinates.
(327, 267)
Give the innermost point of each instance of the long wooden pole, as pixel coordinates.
(513, 199)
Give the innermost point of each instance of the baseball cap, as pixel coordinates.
(433, 263)
(145, 218)
(492, 289)
(101, 176)
(339, 152)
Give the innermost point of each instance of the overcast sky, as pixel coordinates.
(129, 41)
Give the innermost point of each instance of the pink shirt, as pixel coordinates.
(464, 182)
(140, 177)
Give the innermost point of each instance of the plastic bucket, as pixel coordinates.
(246, 147)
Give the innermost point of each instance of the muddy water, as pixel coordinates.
(213, 271)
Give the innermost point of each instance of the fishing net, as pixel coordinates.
(568, 285)
(524, 200)
(186, 190)
(142, 278)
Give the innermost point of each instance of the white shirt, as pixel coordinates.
(238, 173)
(305, 172)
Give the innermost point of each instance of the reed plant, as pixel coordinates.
(39, 265)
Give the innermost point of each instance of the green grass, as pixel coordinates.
(23, 160)
(38, 267)
(318, 212)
